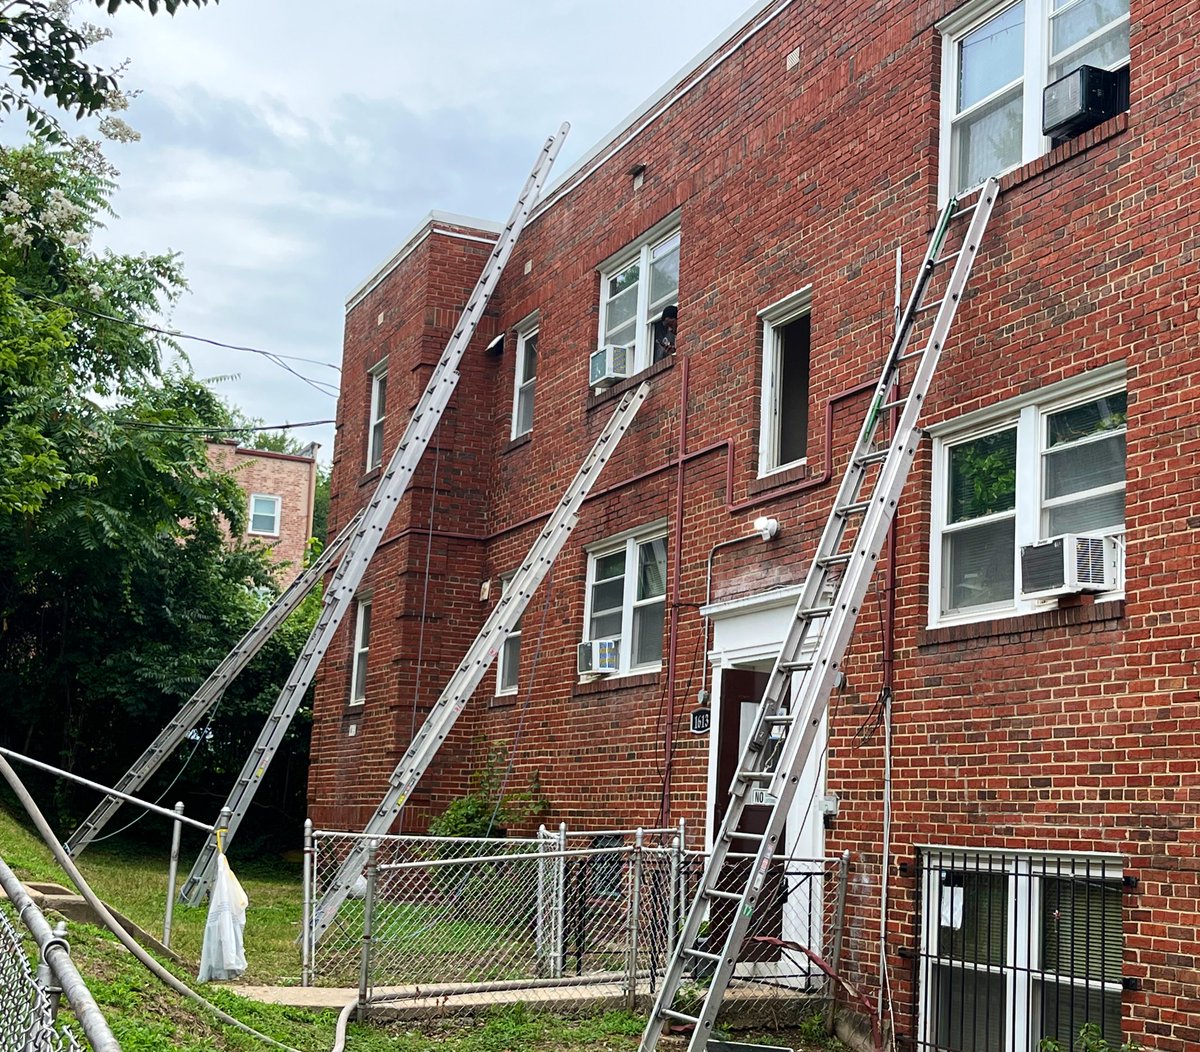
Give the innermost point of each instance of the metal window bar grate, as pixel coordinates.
(1017, 949)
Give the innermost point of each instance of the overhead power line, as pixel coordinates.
(142, 425)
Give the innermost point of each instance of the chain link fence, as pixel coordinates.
(568, 914)
(27, 1013)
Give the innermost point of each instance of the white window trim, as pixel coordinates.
(357, 648)
(376, 372)
(1022, 943)
(629, 542)
(528, 328)
(775, 317)
(278, 509)
(1036, 58)
(1025, 413)
(502, 691)
(641, 248)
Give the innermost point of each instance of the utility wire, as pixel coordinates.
(147, 426)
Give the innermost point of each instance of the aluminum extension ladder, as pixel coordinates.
(210, 691)
(388, 494)
(843, 564)
(496, 629)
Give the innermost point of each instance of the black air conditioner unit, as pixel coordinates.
(1082, 99)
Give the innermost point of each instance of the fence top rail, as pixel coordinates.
(538, 856)
(419, 838)
(174, 816)
(823, 860)
(663, 831)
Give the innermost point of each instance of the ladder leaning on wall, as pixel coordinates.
(783, 735)
(211, 690)
(378, 513)
(496, 629)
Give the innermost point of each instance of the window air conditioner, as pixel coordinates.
(1082, 99)
(609, 364)
(599, 656)
(1067, 565)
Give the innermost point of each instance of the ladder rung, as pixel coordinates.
(834, 560)
(776, 720)
(813, 612)
(876, 456)
(949, 256)
(931, 306)
(756, 776)
(681, 1017)
(742, 834)
(856, 508)
(728, 896)
(704, 955)
(795, 666)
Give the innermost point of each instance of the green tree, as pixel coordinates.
(45, 55)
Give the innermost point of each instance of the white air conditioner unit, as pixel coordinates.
(1067, 565)
(598, 656)
(613, 362)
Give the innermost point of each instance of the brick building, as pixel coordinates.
(280, 489)
(1043, 861)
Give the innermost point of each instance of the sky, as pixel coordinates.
(289, 147)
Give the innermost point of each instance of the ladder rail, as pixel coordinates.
(387, 496)
(210, 691)
(834, 630)
(478, 659)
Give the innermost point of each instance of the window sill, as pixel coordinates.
(798, 472)
(370, 476)
(518, 442)
(606, 684)
(628, 384)
(263, 533)
(1081, 611)
(503, 701)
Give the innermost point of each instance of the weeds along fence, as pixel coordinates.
(29, 999)
(564, 914)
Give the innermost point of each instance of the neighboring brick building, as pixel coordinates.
(1044, 858)
(279, 488)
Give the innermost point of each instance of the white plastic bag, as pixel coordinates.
(222, 955)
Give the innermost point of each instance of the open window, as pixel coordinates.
(786, 356)
(997, 60)
(636, 286)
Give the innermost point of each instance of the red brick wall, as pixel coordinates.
(1074, 729)
(291, 478)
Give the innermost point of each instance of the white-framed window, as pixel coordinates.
(264, 514)
(362, 647)
(378, 415)
(524, 381)
(626, 590)
(508, 661)
(636, 286)
(1048, 463)
(783, 414)
(1018, 948)
(997, 58)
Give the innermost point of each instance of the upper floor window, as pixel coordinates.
(378, 415)
(783, 429)
(508, 661)
(525, 381)
(1043, 466)
(639, 298)
(362, 646)
(997, 59)
(626, 588)
(264, 514)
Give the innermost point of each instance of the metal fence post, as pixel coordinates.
(560, 908)
(540, 944)
(672, 904)
(838, 926)
(635, 906)
(172, 870)
(306, 925)
(364, 970)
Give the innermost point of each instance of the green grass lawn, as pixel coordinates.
(146, 1016)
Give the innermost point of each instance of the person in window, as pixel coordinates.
(664, 333)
